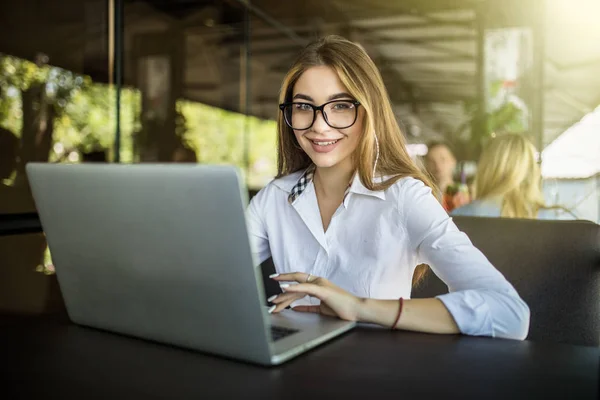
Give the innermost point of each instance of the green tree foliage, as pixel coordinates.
(217, 136)
(85, 120)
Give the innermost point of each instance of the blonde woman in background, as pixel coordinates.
(508, 183)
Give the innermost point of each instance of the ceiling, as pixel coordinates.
(427, 50)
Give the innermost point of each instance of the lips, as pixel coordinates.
(324, 142)
(324, 145)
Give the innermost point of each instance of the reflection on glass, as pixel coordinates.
(55, 106)
(216, 136)
(188, 63)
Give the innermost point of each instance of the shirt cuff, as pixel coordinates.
(470, 312)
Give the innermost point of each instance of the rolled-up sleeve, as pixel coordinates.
(480, 299)
(259, 239)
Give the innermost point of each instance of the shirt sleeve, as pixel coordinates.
(259, 239)
(480, 299)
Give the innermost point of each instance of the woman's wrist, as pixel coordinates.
(381, 312)
(362, 311)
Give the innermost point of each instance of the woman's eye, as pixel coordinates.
(303, 107)
(342, 106)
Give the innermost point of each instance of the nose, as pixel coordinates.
(320, 125)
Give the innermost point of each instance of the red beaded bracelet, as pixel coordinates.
(399, 312)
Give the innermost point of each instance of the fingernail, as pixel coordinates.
(272, 309)
(270, 299)
(273, 275)
(284, 285)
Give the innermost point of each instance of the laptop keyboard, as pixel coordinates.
(279, 332)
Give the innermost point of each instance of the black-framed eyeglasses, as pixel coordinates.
(338, 114)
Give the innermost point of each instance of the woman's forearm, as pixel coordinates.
(420, 315)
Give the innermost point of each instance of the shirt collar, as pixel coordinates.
(305, 179)
(296, 183)
(357, 187)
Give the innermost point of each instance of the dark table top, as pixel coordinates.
(61, 360)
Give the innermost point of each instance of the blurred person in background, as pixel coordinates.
(508, 183)
(9, 148)
(184, 154)
(22, 289)
(13, 198)
(440, 163)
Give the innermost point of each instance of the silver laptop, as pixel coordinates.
(162, 252)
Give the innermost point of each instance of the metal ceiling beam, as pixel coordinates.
(440, 81)
(273, 50)
(376, 41)
(424, 39)
(267, 37)
(402, 60)
(299, 31)
(422, 99)
(418, 25)
(395, 79)
(432, 72)
(431, 59)
(427, 44)
(570, 101)
(290, 33)
(407, 96)
(573, 122)
(570, 67)
(421, 42)
(398, 85)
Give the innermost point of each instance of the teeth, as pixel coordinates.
(324, 143)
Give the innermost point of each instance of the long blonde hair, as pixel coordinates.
(359, 74)
(508, 169)
(362, 79)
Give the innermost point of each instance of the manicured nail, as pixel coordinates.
(273, 276)
(284, 285)
(270, 299)
(272, 309)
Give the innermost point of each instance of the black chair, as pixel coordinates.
(555, 267)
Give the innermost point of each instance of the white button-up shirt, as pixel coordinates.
(374, 242)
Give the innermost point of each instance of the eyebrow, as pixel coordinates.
(342, 95)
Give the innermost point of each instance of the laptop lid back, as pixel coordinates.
(156, 251)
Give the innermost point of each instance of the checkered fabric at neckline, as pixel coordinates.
(306, 178)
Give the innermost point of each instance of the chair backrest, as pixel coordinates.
(554, 265)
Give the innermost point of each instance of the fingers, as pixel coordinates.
(283, 300)
(299, 277)
(310, 309)
(280, 298)
(311, 289)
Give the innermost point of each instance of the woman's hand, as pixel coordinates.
(281, 301)
(335, 301)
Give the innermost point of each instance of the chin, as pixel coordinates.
(325, 160)
(325, 163)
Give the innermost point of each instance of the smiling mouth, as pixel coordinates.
(322, 143)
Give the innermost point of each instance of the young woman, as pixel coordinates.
(509, 183)
(440, 162)
(349, 215)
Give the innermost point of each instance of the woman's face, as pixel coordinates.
(327, 146)
(440, 162)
